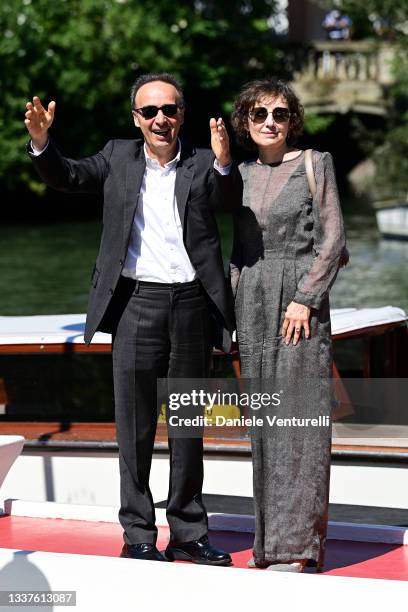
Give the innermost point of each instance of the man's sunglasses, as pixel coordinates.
(148, 112)
(260, 113)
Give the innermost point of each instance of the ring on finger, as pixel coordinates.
(297, 329)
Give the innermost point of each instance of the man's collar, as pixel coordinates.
(154, 163)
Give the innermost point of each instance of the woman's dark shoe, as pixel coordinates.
(148, 552)
(197, 551)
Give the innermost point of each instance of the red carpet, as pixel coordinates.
(362, 560)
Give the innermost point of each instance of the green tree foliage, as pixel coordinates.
(85, 54)
(315, 123)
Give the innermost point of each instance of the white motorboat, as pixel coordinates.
(59, 526)
(393, 221)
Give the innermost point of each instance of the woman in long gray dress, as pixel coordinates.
(287, 250)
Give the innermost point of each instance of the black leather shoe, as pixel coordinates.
(197, 551)
(148, 552)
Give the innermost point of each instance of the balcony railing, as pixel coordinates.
(349, 61)
(339, 76)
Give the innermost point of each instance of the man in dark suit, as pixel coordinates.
(158, 286)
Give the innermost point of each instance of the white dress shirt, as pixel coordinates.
(156, 251)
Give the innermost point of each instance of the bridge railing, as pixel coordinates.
(349, 61)
(340, 76)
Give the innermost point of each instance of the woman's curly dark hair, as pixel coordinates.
(251, 93)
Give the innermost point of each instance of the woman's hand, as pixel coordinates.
(220, 142)
(296, 317)
(38, 121)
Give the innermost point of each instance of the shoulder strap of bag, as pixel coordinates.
(310, 172)
(345, 255)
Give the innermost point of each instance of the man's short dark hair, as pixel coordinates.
(164, 77)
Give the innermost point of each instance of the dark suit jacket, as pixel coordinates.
(117, 172)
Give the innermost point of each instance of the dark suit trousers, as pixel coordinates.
(162, 331)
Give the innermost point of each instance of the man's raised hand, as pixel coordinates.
(220, 142)
(38, 121)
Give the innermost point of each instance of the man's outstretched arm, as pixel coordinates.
(86, 175)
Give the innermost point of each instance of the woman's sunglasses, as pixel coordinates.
(148, 112)
(260, 113)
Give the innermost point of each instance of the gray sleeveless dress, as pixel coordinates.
(287, 247)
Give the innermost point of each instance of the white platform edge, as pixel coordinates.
(10, 449)
(354, 532)
(108, 583)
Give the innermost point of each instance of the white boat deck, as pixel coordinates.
(69, 328)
